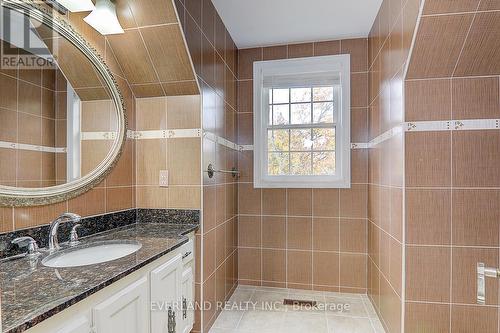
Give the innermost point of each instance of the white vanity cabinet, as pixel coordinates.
(187, 287)
(126, 311)
(79, 324)
(166, 296)
(187, 300)
(137, 303)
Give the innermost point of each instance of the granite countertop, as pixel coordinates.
(33, 293)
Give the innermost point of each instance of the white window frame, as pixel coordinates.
(339, 64)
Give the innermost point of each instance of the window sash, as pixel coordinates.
(302, 126)
(312, 102)
(337, 68)
(267, 152)
(307, 126)
(301, 151)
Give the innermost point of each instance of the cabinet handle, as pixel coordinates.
(185, 255)
(184, 308)
(171, 320)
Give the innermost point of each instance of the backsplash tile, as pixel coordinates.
(97, 224)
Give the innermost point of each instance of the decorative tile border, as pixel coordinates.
(453, 125)
(98, 136)
(440, 125)
(246, 147)
(23, 146)
(359, 145)
(220, 140)
(386, 136)
(417, 126)
(164, 134)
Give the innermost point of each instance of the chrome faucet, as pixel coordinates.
(54, 226)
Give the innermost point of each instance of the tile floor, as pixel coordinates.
(261, 310)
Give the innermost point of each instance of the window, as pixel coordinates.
(302, 122)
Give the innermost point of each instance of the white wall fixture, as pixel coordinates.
(103, 18)
(77, 5)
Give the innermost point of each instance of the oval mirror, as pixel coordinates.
(62, 119)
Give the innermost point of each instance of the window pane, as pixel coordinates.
(324, 163)
(300, 95)
(278, 164)
(323, 94)
(323, 139)
(323, 112)
(281, 115)
(300, 139)
(301, 113)
(277, 140)
(270, 96)
(300, 163)
(280, 96)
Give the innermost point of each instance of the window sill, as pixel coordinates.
(258, 183)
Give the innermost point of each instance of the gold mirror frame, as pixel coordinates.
(19, 197)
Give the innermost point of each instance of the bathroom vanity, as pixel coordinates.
(149, 290)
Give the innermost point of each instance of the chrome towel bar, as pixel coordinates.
(211, 171)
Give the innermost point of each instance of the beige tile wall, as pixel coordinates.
(214, 57)
(96, 116)
(452, 183)
(180, 156)
(304, 238)
(389, 45)
(31, 102)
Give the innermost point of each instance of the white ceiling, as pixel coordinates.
(271, 22)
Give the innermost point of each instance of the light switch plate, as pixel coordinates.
(163, 178)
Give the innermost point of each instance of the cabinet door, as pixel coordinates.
(79, 324)
(125, 312)
(188, 299)
(166, 289)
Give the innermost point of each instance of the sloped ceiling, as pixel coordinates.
(254, 23)
(152, 54)
(455, 45)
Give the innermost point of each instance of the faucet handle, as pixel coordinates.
(73, 237)
(29, 242)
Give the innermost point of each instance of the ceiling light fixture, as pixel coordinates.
(103, 18)
(77, 5)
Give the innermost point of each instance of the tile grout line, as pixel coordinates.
(369, 317)
(286, 236)
(463, 13)
(312, 236)
(383, 275)
(339, 202)
(465, 39)
(260, 244)
(450, 291)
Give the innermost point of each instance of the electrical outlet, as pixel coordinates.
(163, 178)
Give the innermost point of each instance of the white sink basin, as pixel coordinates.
(92, 253)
